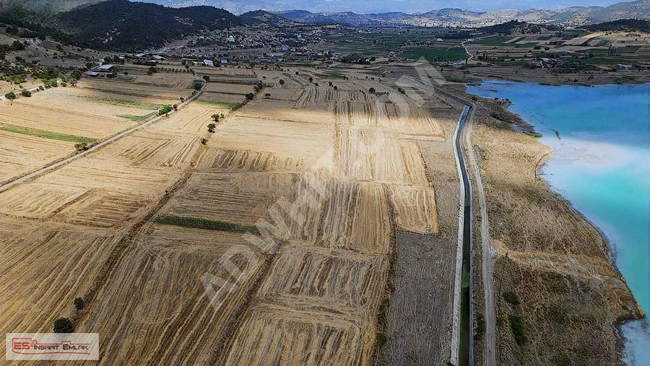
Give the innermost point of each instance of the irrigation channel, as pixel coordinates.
(465, 357)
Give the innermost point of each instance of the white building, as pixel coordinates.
(208, 63)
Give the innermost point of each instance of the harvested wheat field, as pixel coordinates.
(162, 94)
(336, 280)
(225, 101)
(45, 266)
(64, 113)
(156, 291)
(193, 121)
(61, 229)
(239, 198)
(275, 336)
(228, 88)
(270, 241)
(284, 139)
(20, 154)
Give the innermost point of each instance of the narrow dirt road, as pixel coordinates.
(489, 254)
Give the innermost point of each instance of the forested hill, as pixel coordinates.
(124, 25)
(624, 25)
(120, 25)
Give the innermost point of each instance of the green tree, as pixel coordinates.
(211, 127)
(79, 303)
(76, 74)
(26, 93)
(250, 96)
(11, 96)
(372, 90)
(165, 109)
(206, 78)
(17, 46)
(63, 325)
(281, 81)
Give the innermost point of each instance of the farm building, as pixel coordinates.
(106, 68)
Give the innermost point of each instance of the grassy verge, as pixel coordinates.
(46, 134)
(196, 223)
(224, 105)
(138, 118)
(127, 103)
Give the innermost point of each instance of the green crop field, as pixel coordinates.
(436, 54)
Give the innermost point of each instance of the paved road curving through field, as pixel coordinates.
(489, 255)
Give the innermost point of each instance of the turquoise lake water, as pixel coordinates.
(601, 164)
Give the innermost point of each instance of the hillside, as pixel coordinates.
(623, 25)
(264, 17)
(123, 25)
(46, 6)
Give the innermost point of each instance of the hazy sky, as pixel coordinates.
(369, 6)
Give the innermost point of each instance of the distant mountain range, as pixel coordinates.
(573, 16)
(127, 25)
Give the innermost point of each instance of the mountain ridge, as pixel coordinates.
(570, 16)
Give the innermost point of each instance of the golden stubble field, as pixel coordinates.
(60, 230)
(325, 179)
(313, 296)
(35, 128)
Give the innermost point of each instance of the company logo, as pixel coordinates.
(52, 346)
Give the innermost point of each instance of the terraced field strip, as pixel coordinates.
(46, 134)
